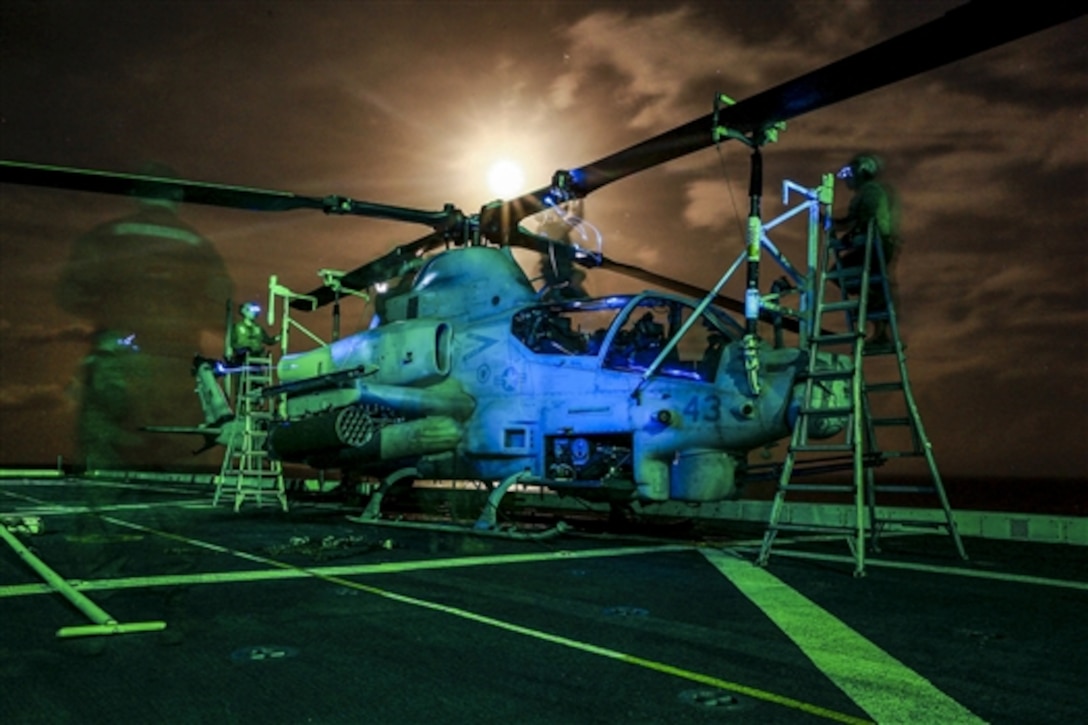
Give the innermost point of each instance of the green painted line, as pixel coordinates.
(752, 692)
(616, 655)
(885, 688)
(934, 569)
(254, 575)
(30, 473)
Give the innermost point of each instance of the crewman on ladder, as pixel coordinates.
(247, 337)
(873, 202)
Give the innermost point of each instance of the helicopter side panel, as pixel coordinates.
(502, 436)
(570, 415)
(413, 352)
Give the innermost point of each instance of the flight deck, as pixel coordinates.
(307, 617)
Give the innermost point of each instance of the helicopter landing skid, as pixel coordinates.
(485, 525)
(488, 520)
(372, 512)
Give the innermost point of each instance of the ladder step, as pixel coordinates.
(887, 422)
(836, 339)
(818, 487)
(827, 375)
(254, 482)
(851, 304)
(822, 448)
(836, 411)
(884, 387)
(843, 273)
(895, 488)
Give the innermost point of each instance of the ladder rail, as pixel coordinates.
(248, 470)
(860, 435)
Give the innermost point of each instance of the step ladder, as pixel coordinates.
(248, 470)
(873, 436)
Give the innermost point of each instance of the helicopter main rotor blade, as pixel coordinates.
(394, 264)
(199, 192)
(965, 31)
(153, 187)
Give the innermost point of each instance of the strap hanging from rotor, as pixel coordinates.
(754, 239)
(752, 297)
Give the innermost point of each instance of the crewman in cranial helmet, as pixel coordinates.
(151, 279)
(247, 337)
(875, 202)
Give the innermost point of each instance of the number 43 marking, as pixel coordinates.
(704, 407)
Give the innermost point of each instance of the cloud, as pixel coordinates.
(970, 314)
(665, 60)
(659, 57)
(705, 201)
(34, 333)
(36, 397)
(847, 25)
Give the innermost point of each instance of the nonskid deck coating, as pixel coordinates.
(307, 617)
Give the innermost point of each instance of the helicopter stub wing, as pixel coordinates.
(212, 436)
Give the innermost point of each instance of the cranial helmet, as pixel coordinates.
(866, 166)
(250, 310)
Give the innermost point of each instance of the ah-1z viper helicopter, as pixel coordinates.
(473, 374)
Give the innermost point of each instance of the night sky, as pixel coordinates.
(409, 103)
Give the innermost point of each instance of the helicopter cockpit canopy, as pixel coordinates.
(628, 332)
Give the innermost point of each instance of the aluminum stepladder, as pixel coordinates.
(248, 470)
(858, 448)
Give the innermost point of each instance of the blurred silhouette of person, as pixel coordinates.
(103, 428)
(247, 337)
(153, 283)
(873, 202)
